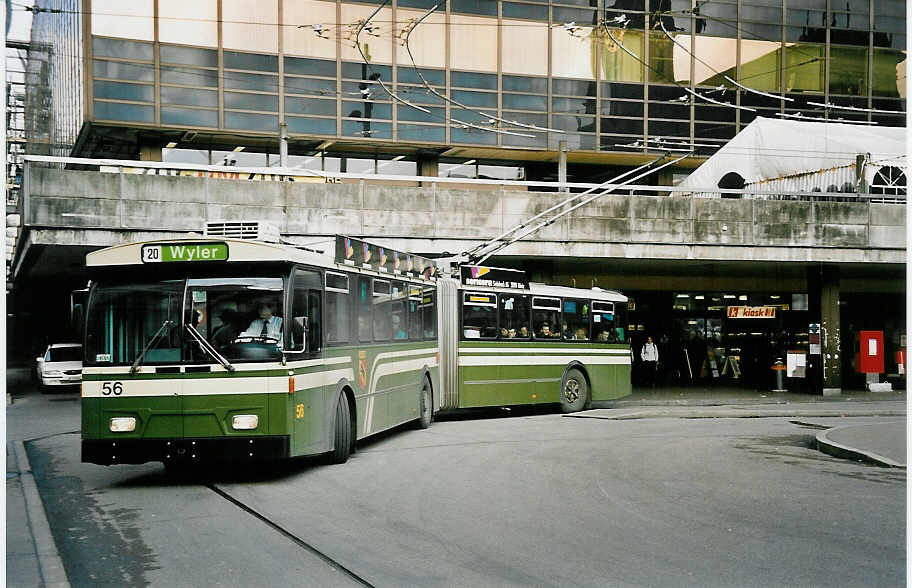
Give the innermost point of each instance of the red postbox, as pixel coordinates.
(869, 352)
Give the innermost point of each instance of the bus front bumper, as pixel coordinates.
(184, 451)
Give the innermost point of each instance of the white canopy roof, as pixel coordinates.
(767, 150)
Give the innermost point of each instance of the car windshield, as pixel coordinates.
(65, 354)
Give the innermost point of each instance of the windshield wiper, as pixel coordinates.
(152, 341)
(208, 348)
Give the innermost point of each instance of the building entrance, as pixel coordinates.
(708, 339)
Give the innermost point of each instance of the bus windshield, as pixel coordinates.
(124, 318)
(145, 323)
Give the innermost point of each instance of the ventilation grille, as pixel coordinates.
(252, 230)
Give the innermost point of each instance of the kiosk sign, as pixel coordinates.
(751, 312)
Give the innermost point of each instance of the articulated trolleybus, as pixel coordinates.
(224, 349)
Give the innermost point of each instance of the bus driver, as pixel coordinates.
(267, 325)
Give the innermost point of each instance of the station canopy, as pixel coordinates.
(805, 156)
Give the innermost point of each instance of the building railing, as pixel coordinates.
(317, 176)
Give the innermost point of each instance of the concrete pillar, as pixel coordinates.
(428, 167)
(823, 307)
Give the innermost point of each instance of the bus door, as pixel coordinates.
(314, 387)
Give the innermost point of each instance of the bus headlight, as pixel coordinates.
(123, 424)
(244, 422)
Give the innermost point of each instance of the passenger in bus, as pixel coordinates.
(511, 334)
(504, 333)
(546, 331)
(524, 332)
(580, 335)
(565, 332)
(224, 325)
(398, 331)
(267, 325)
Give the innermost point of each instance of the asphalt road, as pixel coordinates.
(534, 500)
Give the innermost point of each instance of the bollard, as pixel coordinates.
(779, 367)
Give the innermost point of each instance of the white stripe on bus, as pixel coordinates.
(316, 379)
(539, 360)
(216, 368)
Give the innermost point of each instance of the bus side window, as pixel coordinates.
(365, 309)
(398, 311)
(576, 318)
(338, 327)
(604, 325)
(514, 316)
(382, 315)
(479, 315)
(305, 329)
(546, 318)
(415, 320)
(429, 312)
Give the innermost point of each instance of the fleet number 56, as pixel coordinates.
(115, 388)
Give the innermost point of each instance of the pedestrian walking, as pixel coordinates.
(649, 355)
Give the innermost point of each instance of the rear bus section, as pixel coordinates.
(531, 343)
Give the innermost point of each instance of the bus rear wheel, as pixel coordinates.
(342, 437)
(425, 405)
(574, 395)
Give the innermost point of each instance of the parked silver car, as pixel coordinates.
(61, 365)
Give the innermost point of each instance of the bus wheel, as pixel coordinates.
(425, 405)
(342, 441)
(574, 392)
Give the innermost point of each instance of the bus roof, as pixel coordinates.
(200, 248)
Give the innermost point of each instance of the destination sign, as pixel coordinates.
(357, 253)
(493, 277)
(751, 312)
(181, 252)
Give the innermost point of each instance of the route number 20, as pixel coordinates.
(115, 388)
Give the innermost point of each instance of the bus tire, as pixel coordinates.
(425, 405)
(342, 437)
(574, 392)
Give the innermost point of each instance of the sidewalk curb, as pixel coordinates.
(52, 571)
(830, 447)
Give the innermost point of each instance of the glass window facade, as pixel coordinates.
(603, 72)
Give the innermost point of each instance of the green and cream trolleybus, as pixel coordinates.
(215, 348)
